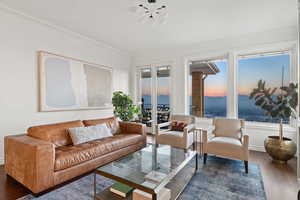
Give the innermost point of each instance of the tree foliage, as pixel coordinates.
(276, 106)
(124, 107)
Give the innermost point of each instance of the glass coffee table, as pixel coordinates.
(174, 166)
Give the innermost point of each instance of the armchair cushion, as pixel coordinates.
(226, 141)
(183, 118)
(172, 133)
(173, 137)
(228, 128)
(228, 147)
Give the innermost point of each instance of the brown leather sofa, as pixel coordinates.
(45, 156)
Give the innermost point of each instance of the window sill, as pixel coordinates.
(268, 126)
(253, 125)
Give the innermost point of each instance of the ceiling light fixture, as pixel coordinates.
(149, 11)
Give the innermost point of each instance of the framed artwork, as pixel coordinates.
(71, 84)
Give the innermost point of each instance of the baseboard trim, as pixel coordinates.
(257, 148)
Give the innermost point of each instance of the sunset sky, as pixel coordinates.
(215, 85)
(250, 71)
(267, 68)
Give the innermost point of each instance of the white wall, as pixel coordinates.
(20, 39)
(285, 37)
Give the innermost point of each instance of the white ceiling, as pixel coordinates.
(189, 21)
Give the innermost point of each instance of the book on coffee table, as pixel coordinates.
(155, 176)
(121, 189)
(163, 194)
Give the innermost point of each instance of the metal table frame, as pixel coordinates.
(145, 189)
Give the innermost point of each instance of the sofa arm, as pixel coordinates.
(30, 161)
(132, 127)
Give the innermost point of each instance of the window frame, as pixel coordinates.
(260, 55)
(232, 75)
(213, 59)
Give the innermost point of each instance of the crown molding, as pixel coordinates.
(62, 29)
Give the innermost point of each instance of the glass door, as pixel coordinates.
(163, 93)
(145, 97)
(154, 95)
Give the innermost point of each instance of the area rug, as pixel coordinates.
(219, 179)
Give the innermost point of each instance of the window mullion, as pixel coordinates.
(232, 86)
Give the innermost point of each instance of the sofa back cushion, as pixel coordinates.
(56, 133)
(111, 122)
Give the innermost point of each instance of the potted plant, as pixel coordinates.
(280, 107)
(124, 107)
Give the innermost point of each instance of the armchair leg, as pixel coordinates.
(246, 166)
(204, 158)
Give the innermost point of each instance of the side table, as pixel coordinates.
(200, 128)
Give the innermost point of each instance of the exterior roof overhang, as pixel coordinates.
(204, 67)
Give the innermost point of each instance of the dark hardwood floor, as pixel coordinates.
(279, 180)
(9, 188)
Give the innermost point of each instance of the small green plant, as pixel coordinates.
(124, 107)
(281, 106)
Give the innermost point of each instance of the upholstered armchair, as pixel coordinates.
(179, 139)
(228, 140)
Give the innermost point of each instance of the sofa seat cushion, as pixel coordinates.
(68, 156)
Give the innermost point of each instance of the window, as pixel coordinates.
(273, 69)
(208, 88)
(146, 88)
(163, 94)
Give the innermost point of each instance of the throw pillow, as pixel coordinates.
(178, 125)
(81, 135)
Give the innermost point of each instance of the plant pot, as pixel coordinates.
(280, 150)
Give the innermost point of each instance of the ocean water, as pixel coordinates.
(216, 107)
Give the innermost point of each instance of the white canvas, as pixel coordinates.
(70, 84)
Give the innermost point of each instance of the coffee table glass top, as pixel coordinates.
(150, 163)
